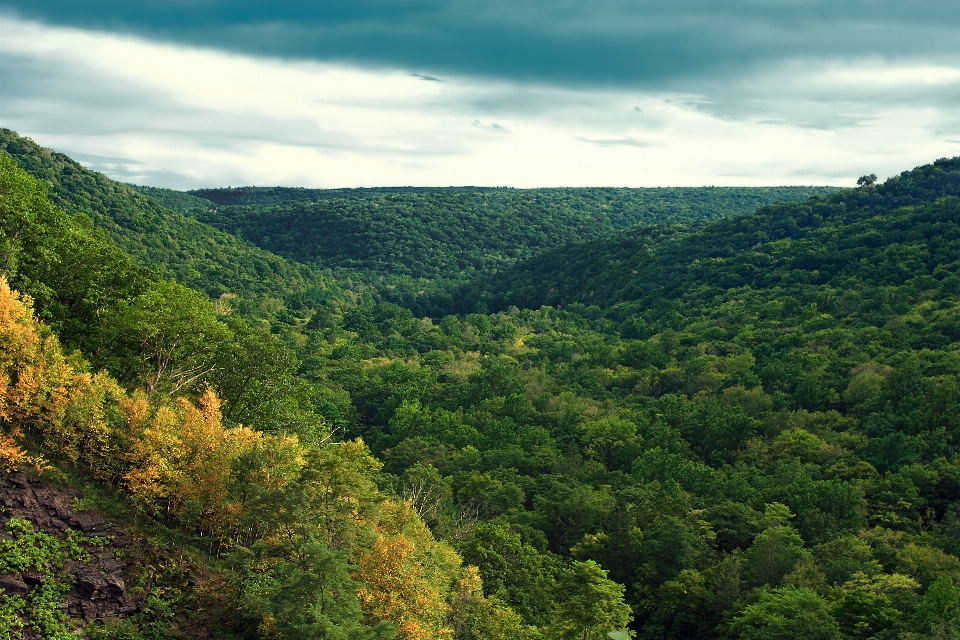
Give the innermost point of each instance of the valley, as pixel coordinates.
(478, 413)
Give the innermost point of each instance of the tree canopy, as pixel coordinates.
(743, 427)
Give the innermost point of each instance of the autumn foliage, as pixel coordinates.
(181, 461)
(178, 463)
(173, 455)
(395, 589)
(35, 380)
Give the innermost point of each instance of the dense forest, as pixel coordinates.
(279, 195)
(743, 427)
(453, 233)
(196, 255)
(624, 206)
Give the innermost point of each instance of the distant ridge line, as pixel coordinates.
(276, 195)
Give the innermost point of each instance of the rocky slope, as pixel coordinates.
(91, 569)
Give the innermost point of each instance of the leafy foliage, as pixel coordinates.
(742, 428)
(444, 233)
(628, 206)
(195, 254)
(26, 549)
(855, 233)
(786, 613)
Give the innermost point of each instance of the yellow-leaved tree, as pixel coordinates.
(181, 461)
(174, 456)
(35, 379)
(405, 575)
(419, 583)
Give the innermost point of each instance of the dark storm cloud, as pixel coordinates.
(639, 43)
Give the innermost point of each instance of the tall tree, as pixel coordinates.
(593, 607)
(171, 335)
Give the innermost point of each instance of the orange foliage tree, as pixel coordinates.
(395, 588)
(405, 574)
(182, 461)
(35, 379)
(175, 457)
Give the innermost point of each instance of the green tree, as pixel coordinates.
(309, 594)
(842, 557)
(293, 571)
(513, 571)
(172, 337)
(773, 554)
(255, 375)
(940, 607)
(863, 614)
(786, 614)
(23, 211)
(74, 274)
(612, 441)
(594, 605)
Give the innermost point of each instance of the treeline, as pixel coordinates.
(278, 195)
(625, 207)
(812, 242)
(194, 254)
(180, 201)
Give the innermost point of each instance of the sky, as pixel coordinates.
(524, 93)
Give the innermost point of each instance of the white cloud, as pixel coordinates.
(188, 117)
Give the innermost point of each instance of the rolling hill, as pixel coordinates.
(195, 254)
(452, 233)
(709, 428)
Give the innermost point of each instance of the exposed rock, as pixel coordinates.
(121, 538)
(99, 589)
(116, 586)
(90, 584)
(13, 585)
(92, 524)
(110, 564)
(32, 578)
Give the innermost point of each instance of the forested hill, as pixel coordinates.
(747, 429)
(278, 195)
(877, 236)
(195, 254)
(625, 206)
(435, 233)
(179, 201)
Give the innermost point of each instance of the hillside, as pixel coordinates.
(821, 241)
(627, 206)
(770, 431)
(203, 496)
(195, 254)
(179, 201)
(277, 195)
(451, 233)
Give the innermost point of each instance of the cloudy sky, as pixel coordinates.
(335, 93)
